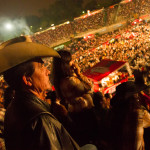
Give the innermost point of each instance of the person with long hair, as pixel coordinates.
(72, 87)
(128, 118)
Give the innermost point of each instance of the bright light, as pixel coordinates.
(53, 28)
(88, 12)
(8, 26)
(68, 22)
(83, 12)
(52, 25)
(40, 28)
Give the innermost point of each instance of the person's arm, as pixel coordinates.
(146, 119)
(87, 83)
(49, 134)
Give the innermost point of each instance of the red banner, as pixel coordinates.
(103, 69)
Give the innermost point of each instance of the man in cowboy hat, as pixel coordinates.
(28, 123)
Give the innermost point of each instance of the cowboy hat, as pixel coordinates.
(22, 49)
(128, 88)
(125, 90)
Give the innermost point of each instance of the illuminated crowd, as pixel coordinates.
(126, 10)
(125, 44)
(130, 44)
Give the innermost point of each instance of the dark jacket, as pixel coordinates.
(29, 126)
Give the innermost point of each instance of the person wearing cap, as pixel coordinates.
(128, 118)
(28, 123)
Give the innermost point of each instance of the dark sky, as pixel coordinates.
(12, 8)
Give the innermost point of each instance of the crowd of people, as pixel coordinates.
(126, 10)
(71, 116)
(60, 33)
(129, 44)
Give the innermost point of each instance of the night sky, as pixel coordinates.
(14, 8)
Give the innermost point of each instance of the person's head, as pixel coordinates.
(14, 76)
(126, 92)
(66, 58)
(31, 75)
(23, 68)
(61, 66)
(99, 100)
(60, 69)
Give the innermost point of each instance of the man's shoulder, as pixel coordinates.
(26, 107)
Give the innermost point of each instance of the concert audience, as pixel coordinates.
(131, 44)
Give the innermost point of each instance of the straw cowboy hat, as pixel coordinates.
(22, 49)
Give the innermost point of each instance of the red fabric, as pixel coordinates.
(103, 69)
(146, 98)
(112, 88)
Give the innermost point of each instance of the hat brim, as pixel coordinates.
(17, 53)
(118, 98)
(141, 87)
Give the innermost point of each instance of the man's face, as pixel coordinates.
(40, 77)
